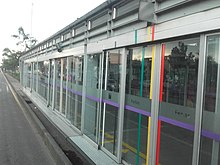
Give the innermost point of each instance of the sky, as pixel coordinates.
(48, 17)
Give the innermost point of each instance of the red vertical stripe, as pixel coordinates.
(161, 98)
(153, 30)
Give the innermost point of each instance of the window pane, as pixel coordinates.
(92, 97)
(177, 109)
(209, 150)
(135, 130)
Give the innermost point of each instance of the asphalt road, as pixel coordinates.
(20, 143)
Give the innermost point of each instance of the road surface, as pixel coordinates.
(20, 143)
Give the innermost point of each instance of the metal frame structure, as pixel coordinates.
(124, 25)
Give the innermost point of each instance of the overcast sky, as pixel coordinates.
(49, 16)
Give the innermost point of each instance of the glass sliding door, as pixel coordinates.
(63, 83)
(43, 68)
(111, 100)
(179, 74)
(51, 80)
(210, 138)
(35, 68)
(74, 90)
(92, 102)
(137, 105)
(57, 84)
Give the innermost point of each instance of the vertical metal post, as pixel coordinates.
(100, 95)
(199, 100)
(48, 86)
(61, 86)
(67, 84)
(105, 87)
(37, 77)
(122, 104)
(54, 83)
(155, 105)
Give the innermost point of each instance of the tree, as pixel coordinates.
(11, 61)
(26, 41)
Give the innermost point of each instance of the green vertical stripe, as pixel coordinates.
(140, 116)
(135, 36)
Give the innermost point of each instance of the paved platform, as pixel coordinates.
(64, 132)
(20, 141)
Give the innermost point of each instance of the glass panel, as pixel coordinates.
(74, 95)
(29, 76)
(135, 131)
(64, 77)
(111, 128)
(35, 76)
(51, 81)
(209, 150)
(111, 85)
(57, 83)
(92, 97)
(43, 78)
(177, 109)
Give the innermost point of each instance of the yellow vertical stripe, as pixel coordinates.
(148, 33)
(148, 140)
(149, 119)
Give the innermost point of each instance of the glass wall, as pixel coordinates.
(209, 150)
(35, 71)
(57, 84)
(110, 94)
(92, 103)
(51, 82)
(27, 75)
(177, 105)
(137, 105)
(43, 68)
(74, 90)
(64, 83)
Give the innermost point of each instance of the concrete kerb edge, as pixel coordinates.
(57, 154)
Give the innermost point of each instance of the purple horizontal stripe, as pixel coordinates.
(94, 98)
(211, 135)
(190, 127)
(75, 92)
(140, 111)
(111, 103)
(177, 123)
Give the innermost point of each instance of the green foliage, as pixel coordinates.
(11, 57)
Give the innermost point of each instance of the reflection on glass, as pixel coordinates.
(51, 82)
(111, 86)
(180, 72)
(35, 77)
(43, 68)
(57, 83)
(64, 77)
(113, 71)
(29, 75)
(130, 138)
(111, 129)
(74, 95)
(91, 107)
(179, 89)
(210, 148)
(137, 84)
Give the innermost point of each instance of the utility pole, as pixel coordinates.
(32, 4)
